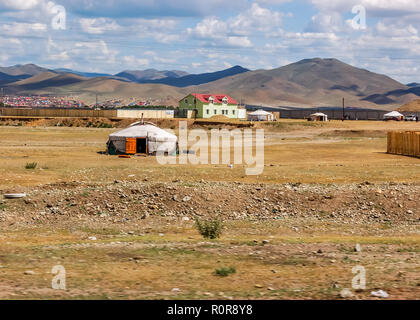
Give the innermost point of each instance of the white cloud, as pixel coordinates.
(135, 62)
(236, 31)
(273, 2)
(98, 25)
(20, 29)
(19, 4)
(382, 8)
(325, 22)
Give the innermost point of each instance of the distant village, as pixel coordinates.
(18, 101)
(194, 105)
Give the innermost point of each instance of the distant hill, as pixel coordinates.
(144, 76)
(307, 83)
(19, 72)
(395, 96)
(413, 85)
(197, 79)
(26, 70)
(83, 74)
(411, 106)
(86, 89)
(7, 78)
(310, 82)
(46, 80)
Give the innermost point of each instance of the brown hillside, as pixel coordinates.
(320, 82)
(107, 89)
(411, 106)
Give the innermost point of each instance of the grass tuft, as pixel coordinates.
(224, 272)
(31, 165)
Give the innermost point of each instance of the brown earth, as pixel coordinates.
(124, 228)
(411, 106)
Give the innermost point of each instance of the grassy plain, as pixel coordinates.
(302, 259)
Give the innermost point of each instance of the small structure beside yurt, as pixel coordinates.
(394, 115)
(142, 138)
(318, 117)
(260, 115)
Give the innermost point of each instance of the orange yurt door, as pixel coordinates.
(130, 145)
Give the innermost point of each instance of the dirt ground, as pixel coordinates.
(329, 199)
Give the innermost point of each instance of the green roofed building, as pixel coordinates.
(209, 105)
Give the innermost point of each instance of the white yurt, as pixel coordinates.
(319, 116)
(260, 115)
(142, 138)
(394, 115)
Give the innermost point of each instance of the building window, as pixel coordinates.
(233, 112)
(186, 101)
(215, 111)
(225, 100)
(207, 111)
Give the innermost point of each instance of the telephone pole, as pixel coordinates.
(343, 111)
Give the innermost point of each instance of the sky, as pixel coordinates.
(199, 36)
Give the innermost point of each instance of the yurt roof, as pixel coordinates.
(260, 113)
(144, 130)
(394, 114)
(318, 114)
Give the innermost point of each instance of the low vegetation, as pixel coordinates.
(31, 165)
(209, 229)
(224, 272)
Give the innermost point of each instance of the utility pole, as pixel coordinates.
(343, 111)
(2, 97)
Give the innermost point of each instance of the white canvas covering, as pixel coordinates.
(319, 116)
(156, 138)
(260, 115)
(393, 114)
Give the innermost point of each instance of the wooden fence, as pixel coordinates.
(405, 143)
(86, 113)
(59, 113)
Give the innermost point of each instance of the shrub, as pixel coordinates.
(31, 165)
(224, 272)
(105, 125)
(209, 229)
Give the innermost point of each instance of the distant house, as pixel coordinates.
(208, 105)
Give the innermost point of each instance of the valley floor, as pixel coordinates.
(124, 228)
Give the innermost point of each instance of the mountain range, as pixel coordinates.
(307, 83)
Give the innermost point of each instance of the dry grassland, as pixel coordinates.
(306, 256)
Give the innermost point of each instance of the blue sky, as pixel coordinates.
(204, 36)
